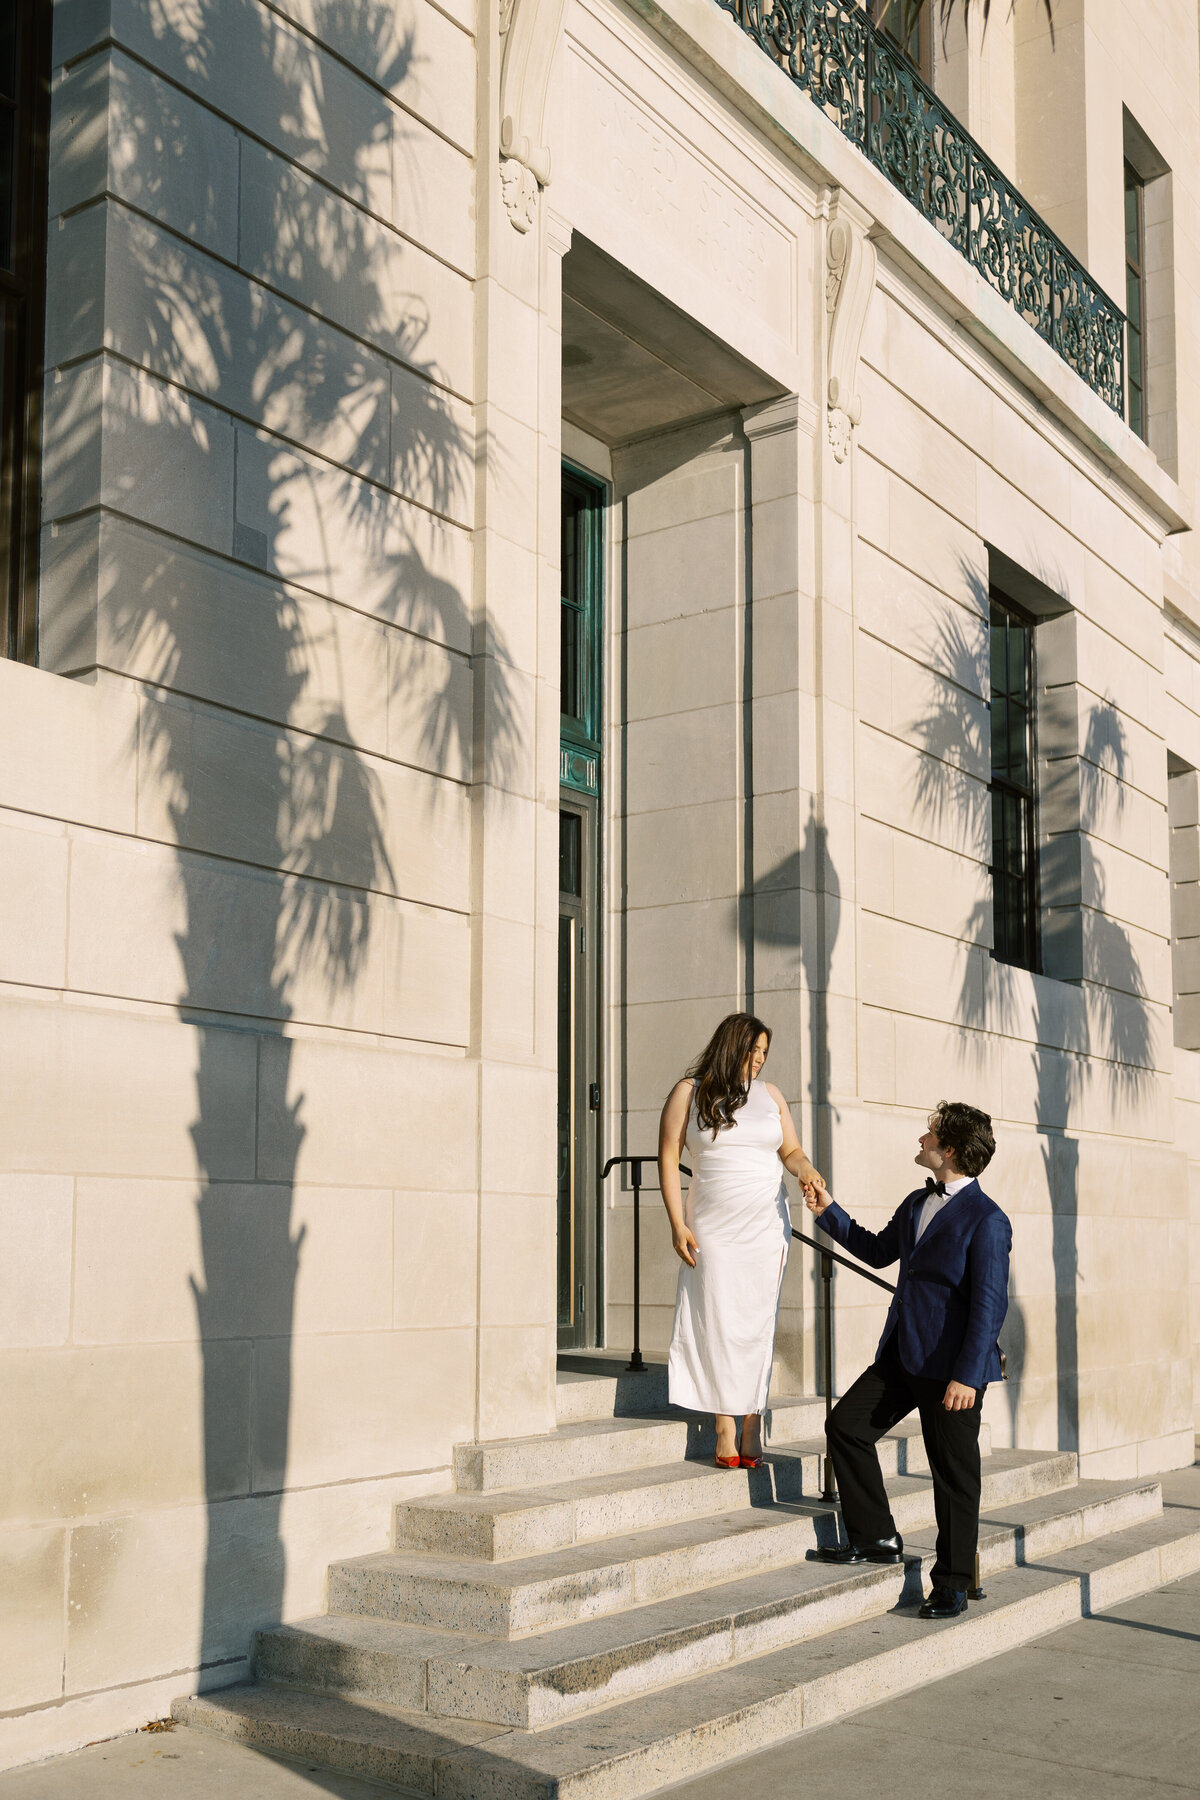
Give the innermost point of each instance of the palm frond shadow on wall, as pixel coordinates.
(1073, 1037)
(311, 370)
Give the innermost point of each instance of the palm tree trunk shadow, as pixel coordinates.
(1062, 1170)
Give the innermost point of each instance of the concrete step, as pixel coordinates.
(636, 1747)
(561, 1587)
(534, 1682)
(597, 1386)
(603, 1446)
(494, 1527)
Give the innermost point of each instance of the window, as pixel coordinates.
(24, 92)
(582, 553)
(905, 24)
(1135, 297)
(1014, 860)
(1150, 261)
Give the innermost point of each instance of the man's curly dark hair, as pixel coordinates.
(966, 1131)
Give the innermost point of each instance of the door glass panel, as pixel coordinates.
(8, 51)
(7, 125)
(572, 672)
(570, 854)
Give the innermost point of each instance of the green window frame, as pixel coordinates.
(584, 504)
(1135, 299)
(1013, 787)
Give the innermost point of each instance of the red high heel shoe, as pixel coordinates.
(749, 1462)
(729, 1462)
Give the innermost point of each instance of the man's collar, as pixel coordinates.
(948, 1188)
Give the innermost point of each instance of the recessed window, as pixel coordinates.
(1135, 298)
(24, 90)
(1014, 857)
(904, 24)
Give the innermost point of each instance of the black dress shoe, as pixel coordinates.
(879, 1550)
(944, 1603)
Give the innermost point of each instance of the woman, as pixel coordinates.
(735, 1236)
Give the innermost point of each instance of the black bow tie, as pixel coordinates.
(934, 1187)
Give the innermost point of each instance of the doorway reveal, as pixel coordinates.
(579, 961)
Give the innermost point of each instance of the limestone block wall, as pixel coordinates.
(955, 472)
(1111, 84)
(1182, 670)
(239, 1213)
(699, 825)
(1077, 1064)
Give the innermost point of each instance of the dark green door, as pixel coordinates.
(579, 960)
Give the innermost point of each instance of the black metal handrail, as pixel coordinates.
(828, 1257)
(635, 1365)
(860, 80)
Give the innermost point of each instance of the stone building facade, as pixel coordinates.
(531, 504)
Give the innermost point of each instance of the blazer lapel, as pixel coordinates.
(910, 1222)
(940, 1218)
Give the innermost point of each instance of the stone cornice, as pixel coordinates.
(723, 55)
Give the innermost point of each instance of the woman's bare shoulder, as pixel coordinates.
(776, 1096)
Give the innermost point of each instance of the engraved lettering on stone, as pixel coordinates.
(642, 166)
(734, 243)
(647, 177)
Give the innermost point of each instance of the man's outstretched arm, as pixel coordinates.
(876, 1248)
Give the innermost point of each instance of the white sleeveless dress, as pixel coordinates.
(725, 1308)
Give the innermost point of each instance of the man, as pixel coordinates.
(938, 1351)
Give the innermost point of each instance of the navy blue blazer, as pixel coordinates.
(952, 1293)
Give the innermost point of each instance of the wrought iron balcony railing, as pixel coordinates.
(874, 95)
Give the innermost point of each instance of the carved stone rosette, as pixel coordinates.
(849, 282)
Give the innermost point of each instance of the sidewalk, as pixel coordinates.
(1107, 1709)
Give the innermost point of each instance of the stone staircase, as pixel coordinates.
(598, 1613)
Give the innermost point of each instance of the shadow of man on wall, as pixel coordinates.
(797, 911)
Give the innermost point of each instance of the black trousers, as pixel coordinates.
(882, 1396)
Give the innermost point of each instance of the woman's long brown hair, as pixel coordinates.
(721, 1086)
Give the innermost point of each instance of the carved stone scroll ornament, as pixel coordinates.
(849, 283)
(531, 30)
